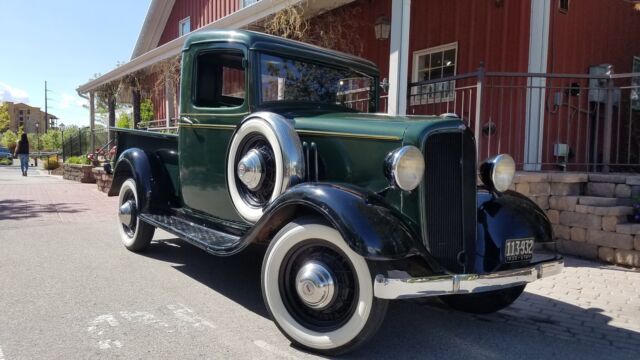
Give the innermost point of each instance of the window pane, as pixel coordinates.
(448, 71)
(185, 27)
(436, 59)
(449, 57)
(435, 73)
(424, 62)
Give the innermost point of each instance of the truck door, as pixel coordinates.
(213, 102)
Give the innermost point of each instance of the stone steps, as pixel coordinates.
(597, 201)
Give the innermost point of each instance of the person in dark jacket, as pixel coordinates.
(22, 151)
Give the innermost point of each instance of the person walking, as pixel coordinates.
(22, 151)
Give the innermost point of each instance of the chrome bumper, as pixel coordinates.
(391, 288)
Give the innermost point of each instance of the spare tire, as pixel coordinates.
(265, 158)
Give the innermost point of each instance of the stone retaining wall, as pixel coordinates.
(80, 173)
(590, 213)
(103, 180)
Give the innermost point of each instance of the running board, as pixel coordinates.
(211, 240)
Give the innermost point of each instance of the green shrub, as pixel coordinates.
(5, 161)
(78, 160)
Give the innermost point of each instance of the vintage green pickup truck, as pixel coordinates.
(279, 144)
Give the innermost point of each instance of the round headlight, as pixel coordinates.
(404, 167)
(498, 172)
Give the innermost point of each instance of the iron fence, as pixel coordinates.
(545, 121)
(80, 143)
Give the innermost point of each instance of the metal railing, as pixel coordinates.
(162, 126)
(80, 143)
(570, 122)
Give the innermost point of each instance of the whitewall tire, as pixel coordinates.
(134, 234)
(339, 325)
(275, 142)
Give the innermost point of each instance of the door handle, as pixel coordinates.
(186, 120)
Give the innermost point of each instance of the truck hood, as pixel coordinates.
(406, 129)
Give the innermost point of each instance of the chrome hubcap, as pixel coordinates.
(127, 212)
(251, 169)
(315, 285)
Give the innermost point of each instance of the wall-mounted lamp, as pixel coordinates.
(382, 28)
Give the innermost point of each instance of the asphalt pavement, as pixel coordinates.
(70, 290)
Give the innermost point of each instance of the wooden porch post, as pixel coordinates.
(111, 103)
(399, 57)
(135, 99)
(536, 88)
(170, 99)
(92, 121)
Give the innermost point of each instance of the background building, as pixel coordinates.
(25, 116)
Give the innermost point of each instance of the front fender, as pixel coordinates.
(370, 227)
(509, 216)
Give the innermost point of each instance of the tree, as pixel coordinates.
(35, 142)
(124, 121)
(51, 140)
(146, 113)
(9, 140)
(4, 117)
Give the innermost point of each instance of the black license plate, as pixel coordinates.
(518, 249)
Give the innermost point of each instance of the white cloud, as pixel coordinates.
(67, 101)
(9, 93)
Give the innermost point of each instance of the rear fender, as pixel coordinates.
(134, 163)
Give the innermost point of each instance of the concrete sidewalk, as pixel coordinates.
(43, 198)
(63, 270)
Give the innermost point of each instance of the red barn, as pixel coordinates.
(549, 81)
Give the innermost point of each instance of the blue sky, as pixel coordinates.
(64, 42)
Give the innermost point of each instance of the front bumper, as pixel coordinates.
(411, 287)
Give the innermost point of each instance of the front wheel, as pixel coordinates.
(134, 234)
(485, 302)
(318, 291)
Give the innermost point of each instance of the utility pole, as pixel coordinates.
(46, 108)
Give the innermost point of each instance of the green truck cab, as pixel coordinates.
(279, 144)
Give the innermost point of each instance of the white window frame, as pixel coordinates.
(432, 93)
(181, 23)
(246, 3)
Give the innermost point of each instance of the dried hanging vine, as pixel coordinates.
(337, 29)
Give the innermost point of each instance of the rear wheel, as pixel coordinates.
(318, 291)
(485, 302)
(134, 234)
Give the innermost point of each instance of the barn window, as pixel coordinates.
(432, 64)
(246, 3)
(185, 26)
(563, 5)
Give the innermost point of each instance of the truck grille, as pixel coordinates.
(450, 197)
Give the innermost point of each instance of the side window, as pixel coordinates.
(219, 80)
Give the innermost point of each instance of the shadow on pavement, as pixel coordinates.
(14, 209)
(414, 328)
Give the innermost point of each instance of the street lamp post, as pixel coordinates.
(61, 127)
(37, 143)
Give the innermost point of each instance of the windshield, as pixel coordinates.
(294, 81)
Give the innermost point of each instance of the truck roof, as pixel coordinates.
(265, 42)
